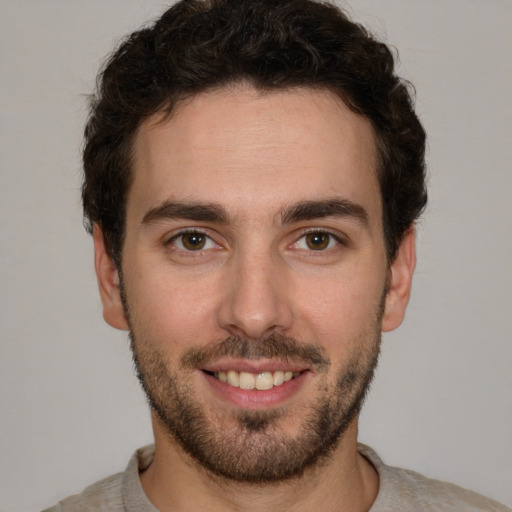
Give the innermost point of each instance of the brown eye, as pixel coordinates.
(188, 242)
(318, 241)
(193, 241)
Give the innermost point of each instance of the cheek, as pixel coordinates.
(343, 308)
(171, 309)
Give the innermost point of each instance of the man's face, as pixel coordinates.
(254, 276)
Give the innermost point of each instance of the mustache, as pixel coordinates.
(273, 346)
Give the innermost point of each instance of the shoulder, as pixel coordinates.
(402, 489)
(436, 495)
(117, 493)
(103, 496)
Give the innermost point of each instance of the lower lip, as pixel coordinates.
(253, 398)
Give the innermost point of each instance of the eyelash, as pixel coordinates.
(317, 231)
(339, 240)
(184, 232)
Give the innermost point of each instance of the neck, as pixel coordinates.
(345, 482)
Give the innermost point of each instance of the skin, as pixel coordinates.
(255, 154)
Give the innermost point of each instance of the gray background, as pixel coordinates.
(70, 409)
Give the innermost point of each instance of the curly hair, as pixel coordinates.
(197, 45)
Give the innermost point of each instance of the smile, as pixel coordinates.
(261, 381)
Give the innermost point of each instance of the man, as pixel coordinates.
(253, 172)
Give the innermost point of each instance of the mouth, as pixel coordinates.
(261, 381)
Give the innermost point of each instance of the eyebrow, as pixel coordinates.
(334, 207)
(213, 212)
(202, 212)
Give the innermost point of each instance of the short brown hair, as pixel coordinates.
(200, 44)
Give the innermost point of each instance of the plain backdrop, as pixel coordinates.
(71, 410)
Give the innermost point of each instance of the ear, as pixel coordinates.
(108, 283)
(399, 282)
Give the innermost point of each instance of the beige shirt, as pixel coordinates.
(400, 490)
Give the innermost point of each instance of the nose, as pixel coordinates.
(254, 297)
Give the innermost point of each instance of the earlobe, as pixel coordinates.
(108, 283)
(400, 282)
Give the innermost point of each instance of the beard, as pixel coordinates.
(249, 445)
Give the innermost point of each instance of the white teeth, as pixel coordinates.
(233, 378)
(246, 380)
(264, 380)
(278, 378)
(261, 381)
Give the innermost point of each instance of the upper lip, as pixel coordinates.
(255, 366)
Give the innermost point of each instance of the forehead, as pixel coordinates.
(255, 151)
